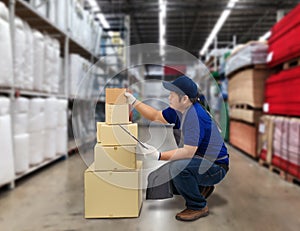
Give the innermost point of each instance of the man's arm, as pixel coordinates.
(181, 153)
(149, 112)
(146, 111)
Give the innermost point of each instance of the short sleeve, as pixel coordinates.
(172, 117)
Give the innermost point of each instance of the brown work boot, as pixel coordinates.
(192, 215)
(207, 191)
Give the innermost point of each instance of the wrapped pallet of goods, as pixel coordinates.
(294, 147)
(39, 51)
(6, 64)
(279, 144)
(61, 129)
(7, 172)
(51, 121)
(19, 56)
(36, 130)
(29, 59)
(247, 73)
(51, 65)
(21, 135)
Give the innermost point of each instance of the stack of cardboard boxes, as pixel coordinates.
(246, 97)
(113, 181)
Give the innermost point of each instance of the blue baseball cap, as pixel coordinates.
(182, 85)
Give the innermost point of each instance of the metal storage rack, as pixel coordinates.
(68, 45)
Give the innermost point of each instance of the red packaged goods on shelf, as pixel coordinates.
(284, 44)
(282, 93)
(286, 24)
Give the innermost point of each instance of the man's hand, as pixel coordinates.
(130, 98)
(149, 153)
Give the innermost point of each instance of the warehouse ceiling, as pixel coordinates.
(189, 22)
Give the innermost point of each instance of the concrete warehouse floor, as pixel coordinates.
(250, 198)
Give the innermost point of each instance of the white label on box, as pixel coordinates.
(266, 107)
(270, 57)
(262, 128)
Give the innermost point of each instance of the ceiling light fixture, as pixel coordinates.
(95, 8)
(162, 25)
(265, 36)
(218, 25)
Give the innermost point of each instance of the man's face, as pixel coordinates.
(175, 102)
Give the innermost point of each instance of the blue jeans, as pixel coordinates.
(190, 174)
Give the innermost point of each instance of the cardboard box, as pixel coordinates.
(265, 136)
(247, 87)
(116, 114)
(112, 194)
(247, 115)
(113, 135)
(244, 137)
(115, 96)
(114, 157)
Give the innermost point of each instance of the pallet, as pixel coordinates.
(283, 174)
(245, 106)
(291, 63)
(292, 179)
(273, 168)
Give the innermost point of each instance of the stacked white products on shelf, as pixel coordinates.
(63, 12)
(61, 129)
(19, 53)
(6, 64)
(51, 121)
(79, 72)
(36, 130)
(40, 6)
(47, 129)
(51, 65)
(30, 70)
(113, 181)
(7, 172)
(29, 59)
(39, 51)
(62, 84)
(21, 136)
(70, 14)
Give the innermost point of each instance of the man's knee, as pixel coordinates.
(179, 168)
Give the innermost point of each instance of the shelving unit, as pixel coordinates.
(68, 45)
(43, 164)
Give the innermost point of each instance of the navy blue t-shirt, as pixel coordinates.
(199, 130)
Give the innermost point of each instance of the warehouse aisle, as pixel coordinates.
(250, 198)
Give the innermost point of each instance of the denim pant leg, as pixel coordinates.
(189, 174)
